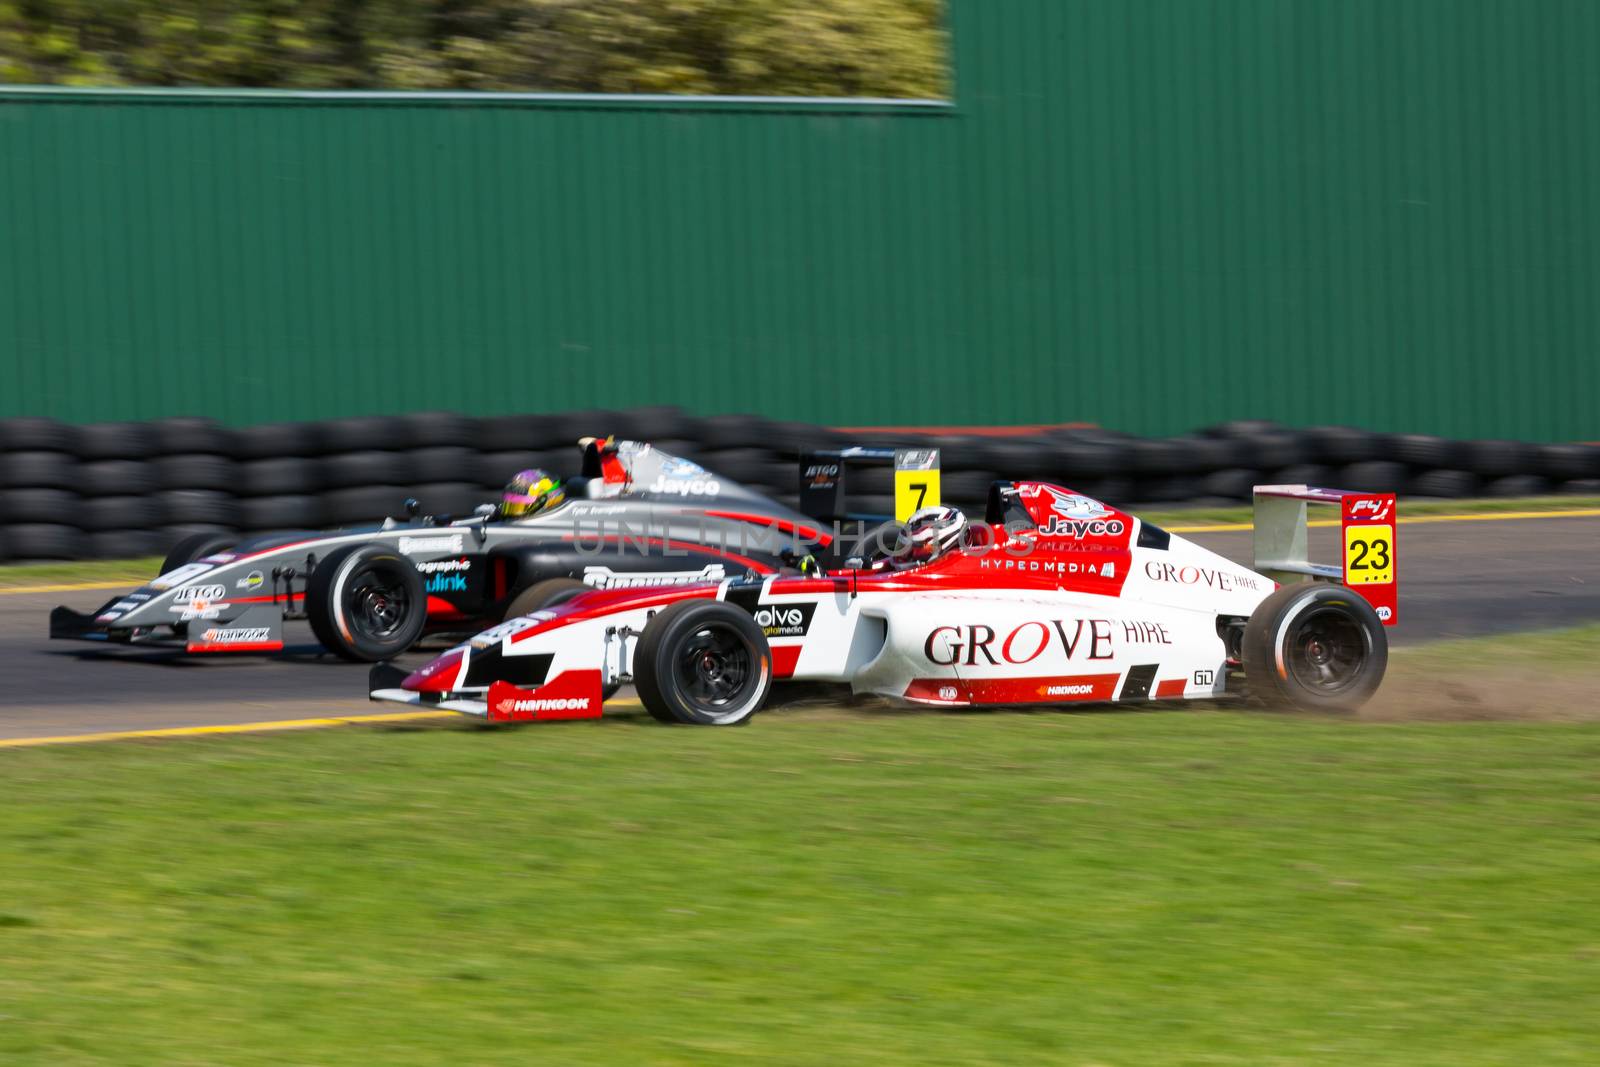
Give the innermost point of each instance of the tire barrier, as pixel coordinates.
(123, 489)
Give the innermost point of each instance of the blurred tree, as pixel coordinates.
(754, 47)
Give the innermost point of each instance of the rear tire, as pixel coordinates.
(702, 663)
(366, 603)
(1314, 647)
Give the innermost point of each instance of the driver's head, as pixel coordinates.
(932, 532)
(529, 493)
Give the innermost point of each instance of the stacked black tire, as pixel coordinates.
(124, 489)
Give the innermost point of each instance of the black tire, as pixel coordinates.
(1519, 485)
(196, 472)
(702, 663)
(439, 464)
(39, 505)
(283, 476)
(1329, 641)
(1501, 459)
(1567, 462)
(449, 498)
(35, 540)
(114, 440)
(109, 514)
(1449, 485)
(366, 603)
(193, 547)
(1423, 450)
(37, 470)
(437, 429)
(374, 503)
(291, 511)
(204, 507)
(1378, 476)
(1232, 484)
(545, 594)
(1338, 445)
(355, 469)
(185, 436)
(336, 437)
(116, 477)
(277, 440)
(123, 544)
(1312, 474)
(31, 433)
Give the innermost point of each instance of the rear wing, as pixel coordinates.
(1367, 524)
(823, 476)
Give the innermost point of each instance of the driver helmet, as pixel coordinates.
(529, 493)
(932, 532)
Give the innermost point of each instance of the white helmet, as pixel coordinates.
(932, 532)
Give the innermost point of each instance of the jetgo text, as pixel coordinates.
(979, 645)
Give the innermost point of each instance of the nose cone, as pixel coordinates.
(437, 677)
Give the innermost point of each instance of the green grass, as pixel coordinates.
(1127, 888)
(132, 571)
(1573, 650)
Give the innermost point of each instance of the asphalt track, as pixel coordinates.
(1458, 579)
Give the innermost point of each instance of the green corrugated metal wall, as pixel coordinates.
(1152, 214)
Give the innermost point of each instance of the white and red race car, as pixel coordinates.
(1054, 598)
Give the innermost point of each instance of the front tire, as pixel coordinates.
(546, 594)
(366, 603)
(1314, 647)
(702, 663)
(193, 547)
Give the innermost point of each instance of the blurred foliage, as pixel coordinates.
(758, 47)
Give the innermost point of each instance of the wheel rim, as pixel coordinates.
(1327, 650)
(716, 669)
(377, 605)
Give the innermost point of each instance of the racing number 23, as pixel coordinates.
(1369, 555)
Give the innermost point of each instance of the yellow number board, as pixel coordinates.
(916, 481)
(1369, 555)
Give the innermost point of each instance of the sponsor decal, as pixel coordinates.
(116, 610)
(181, 575)
(1078, 529)
(686, 486)
(1068, 505)
(220, 557)
(446, 583)
(1048, 566)
(253, 580)
(510, 628)
(509, 707)
(1213, 578)
(445, 575)
(948, 692)
(1145, 633)
(606, 578)
(242, 635)
(1076, 689)
(784, 620)
(447, 543)
(198, 602)
(1385, 613)
(978, 645)
(822, 473)
(1371, 510)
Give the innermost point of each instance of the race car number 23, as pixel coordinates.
(1369, 555)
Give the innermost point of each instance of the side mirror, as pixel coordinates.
(855, 563)
(484, 511)
(412, 507)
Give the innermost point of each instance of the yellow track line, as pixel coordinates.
(246, 727)
(130, 583)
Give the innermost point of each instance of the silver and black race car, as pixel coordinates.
(634, 516)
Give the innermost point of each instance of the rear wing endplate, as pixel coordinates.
(1367, 543)
(823, 475)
